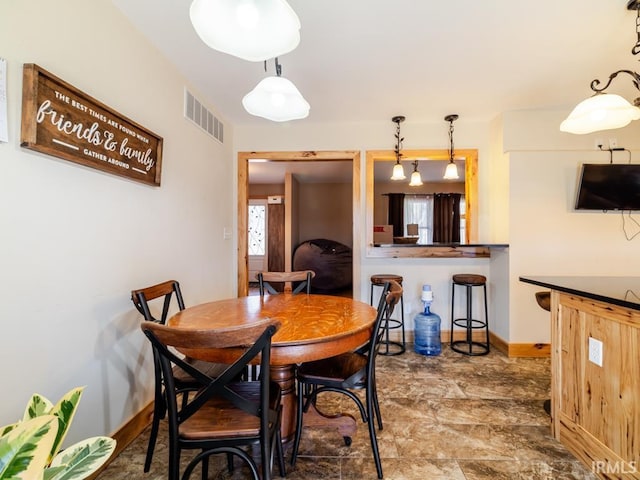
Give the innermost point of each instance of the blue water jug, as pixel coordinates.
(427, 328)
(427, 333)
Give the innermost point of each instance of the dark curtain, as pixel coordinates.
(396, 213)
(446, 218)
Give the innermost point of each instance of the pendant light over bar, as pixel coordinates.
(606, 111)
(276, 99)
(398, 170)
(451, 172)
(416, 179)
(254, 30)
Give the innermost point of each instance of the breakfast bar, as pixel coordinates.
(595, 372)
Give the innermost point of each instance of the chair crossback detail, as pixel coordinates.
(143, 296)
(222, 415)
(301, 277)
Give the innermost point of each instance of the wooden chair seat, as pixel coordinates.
(219, 418)
(210, 369)
(347, 370)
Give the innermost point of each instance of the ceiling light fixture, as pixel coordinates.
(254, 30)
(606, 111)
(451, 172)
(276, 99)
(416, 179)
(398, 170)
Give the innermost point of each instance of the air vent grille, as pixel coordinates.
(195, 111)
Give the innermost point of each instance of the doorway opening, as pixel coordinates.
(311, 158)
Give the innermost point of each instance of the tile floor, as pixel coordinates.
(448, 417)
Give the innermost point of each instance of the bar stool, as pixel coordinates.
(468, 346)
(389, 347)
(544, 301)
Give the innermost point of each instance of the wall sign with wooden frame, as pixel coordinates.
(60, 120)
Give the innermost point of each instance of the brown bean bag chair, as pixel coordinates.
(330, 260)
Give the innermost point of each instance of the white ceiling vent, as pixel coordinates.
(195, 111)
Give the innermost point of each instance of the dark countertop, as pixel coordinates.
(622, 291)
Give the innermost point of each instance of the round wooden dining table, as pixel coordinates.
(312, 327)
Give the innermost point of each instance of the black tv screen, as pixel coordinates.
(609, 186)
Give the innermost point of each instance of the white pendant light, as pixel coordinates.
(416, 179)
(276, 99)
(451, 172)
(398, 170)
(254, 30)
(603, 111)
(606, 111)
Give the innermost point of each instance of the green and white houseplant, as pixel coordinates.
(30, 448)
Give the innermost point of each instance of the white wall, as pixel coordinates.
(324, 211)
(546, 235)
(75, 241)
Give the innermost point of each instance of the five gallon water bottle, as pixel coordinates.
(427, 327)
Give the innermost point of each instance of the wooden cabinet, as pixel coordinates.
(596, 409)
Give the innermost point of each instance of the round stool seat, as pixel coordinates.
(381, 278)
(469, 279)
(544, 300)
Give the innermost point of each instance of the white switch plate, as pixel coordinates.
(226, 233)
(595, 351)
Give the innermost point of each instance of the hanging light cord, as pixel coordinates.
(399, 140)
(278, 67)
(451, 140)
(451, 118)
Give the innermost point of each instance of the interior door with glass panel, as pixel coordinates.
(257, 237)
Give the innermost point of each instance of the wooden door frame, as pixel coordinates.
(275, 156)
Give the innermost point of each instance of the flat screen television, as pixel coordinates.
(609, 186)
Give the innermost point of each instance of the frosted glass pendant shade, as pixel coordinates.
(277, 99)
(451, 172)
(600, 112)
(254, 30)
(416, 179)
(398, 172)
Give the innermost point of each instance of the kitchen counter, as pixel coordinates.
(622, 291)
(595, 373)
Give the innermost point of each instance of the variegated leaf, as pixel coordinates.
(37, 406)
(81, 459)
(65, 410)
(24, 450)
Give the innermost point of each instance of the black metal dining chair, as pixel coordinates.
(165, 293)
(222, 415)
(346, 372)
